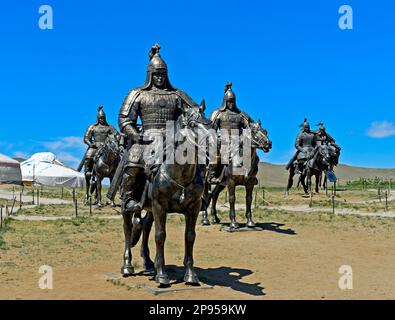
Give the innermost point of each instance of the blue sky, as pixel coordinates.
(287, 60)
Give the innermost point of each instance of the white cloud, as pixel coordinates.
(381, 129)
(21, 154)
(59, 144)
(68, 158)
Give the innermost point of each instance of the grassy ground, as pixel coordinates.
(274, 263)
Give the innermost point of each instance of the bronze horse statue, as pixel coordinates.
(325, 157)
(259, 140)
(173, 188)
(105, 164)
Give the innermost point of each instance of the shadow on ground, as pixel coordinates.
(221, 277)
(269, 226)
(276, 227)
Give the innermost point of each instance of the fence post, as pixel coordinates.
(1, 217)
(76, 207)
(74, 195)
(20, 201)
(386, 201)
(333, 204)
(38, 197)
(62, 193)
(379, 192)
(33, 195)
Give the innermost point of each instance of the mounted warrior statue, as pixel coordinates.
(95, 137)
(305, 144)
(147, 181)
(324, 138)
(227, 119)
(317, 153)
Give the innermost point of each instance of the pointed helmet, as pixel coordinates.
(155, 64)
(101, 114)
(229, 95)
(305, 125)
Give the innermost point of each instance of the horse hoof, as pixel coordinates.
(162, 279)
(127, 271)
(206, 222)
(234, 225)
(216, 220)
(191, 278)
(251, 224)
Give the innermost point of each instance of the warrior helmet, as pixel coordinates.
(321, 126)
(305, 125)
(229, 94)
(156, 61)
(155, 64)
(101, 114)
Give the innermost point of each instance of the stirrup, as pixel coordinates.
(132, 206)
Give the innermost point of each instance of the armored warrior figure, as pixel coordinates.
(95, 137)
(227, 117)
(324, 137)
(305, 143)
(156, 103)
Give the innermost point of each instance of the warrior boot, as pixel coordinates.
(130, 200)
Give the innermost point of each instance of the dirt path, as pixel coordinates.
(54, 218)
(287, 260)
(307, 209)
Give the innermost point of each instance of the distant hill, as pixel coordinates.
(275, 175)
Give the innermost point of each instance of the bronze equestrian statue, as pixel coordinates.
(228, 117)
(316, 153)
(147, 182)
(95, 137)
(105, 163)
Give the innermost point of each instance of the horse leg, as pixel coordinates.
(317, 182)
(160, 237)
(232, 200)
(214, 198)
(88, 186)
(205, 204)
(290, 179)
(127, 268)
(112, 201)
(303, 181)
(249, 191)
(190, 235)
(144, 250)
(98, 191)
(309, 184)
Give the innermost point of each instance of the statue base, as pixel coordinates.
(135, 282)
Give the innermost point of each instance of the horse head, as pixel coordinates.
(194, 125)
(111, 145)
(259, 137)
(334, 154)
(323, 155)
